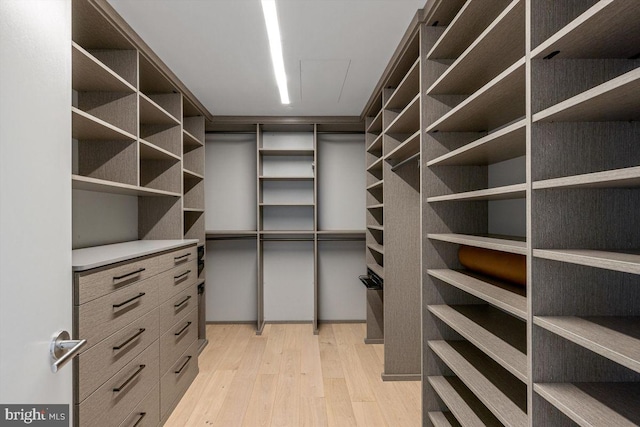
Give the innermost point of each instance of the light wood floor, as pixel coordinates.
(290, 377)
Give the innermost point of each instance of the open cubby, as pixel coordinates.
(114, 161)
(193, 192)
(161, 174)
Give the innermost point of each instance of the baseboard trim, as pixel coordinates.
(401, 377)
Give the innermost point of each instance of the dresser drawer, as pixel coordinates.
(95, 283)
(177, 339)
(175, 382)
(177, 279)
(102, 317)
(147, 413)
(177, 307)
(177, 258)
(119, 396)
(104, 359)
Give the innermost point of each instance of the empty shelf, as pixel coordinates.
(193, 210)
(500, 101)
(443, 419)
(504, 299)
(376, 186)
(615, 100)
(90, 74)
(375, 227)
(497, 389)
(408, 88)
(286, 152)
(378, 206)
(595, 404)
(379, 270)
(286, 204)
(88, 127)
(492, 331)
(617, 261)
(376, 247)
(408, 120)
(153, 114)
(602, 31)
(153, 152)
(191, 175)
(470, 21)
(516, 191)
(499, 46)
(462, 403)
(286, 178)
(405, 150)
(614, 337)
(189, 140)
(103, 186)
(376, 124)
(619, 178)
(504, 144)
(376, 145)
(375, 166)
(505, 245)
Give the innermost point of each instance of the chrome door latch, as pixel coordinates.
(63, 349)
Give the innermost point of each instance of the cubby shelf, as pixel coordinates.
(408, 88)
(153, 114)
(376, 247)
(90, 74)
(376, 145)
(506, 297)
(88, 127)
(376, 124)
(499, 102)
(379, 270)
(617, 99)
(408, 120)
(375, 227)
(103, 186)
(505, 245)
(378, 206)
(496, 389)
(462, 403)
(192, 210)
(626, 262)
(150, 151)
(595, 404)
(375, 186)
(489, 329)
(499, 46)
(443, 419)
(619, 178)
(375, 166)
(406, 149)
(602, 31)
(471, 20)
(516, 191)
(615, 337)
(188, 140)
(191, 175)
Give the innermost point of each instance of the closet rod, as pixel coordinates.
(406, 161)
(287, 239)
(342, 239)
(232, 238)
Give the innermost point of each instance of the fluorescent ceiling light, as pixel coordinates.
(275, 44)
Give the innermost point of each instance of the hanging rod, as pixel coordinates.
(341, 239)
(232, 237)
(287, 239)
(406, 161)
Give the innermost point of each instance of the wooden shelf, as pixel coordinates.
(500, 101)
(615, 337)
(375, 166)
(90, 74)
(376, 124)
(462, 403)
(619, 178)
(102, 186)
(505, 296)
(408, 121)
(375, 227)
(153, 114)
(516, 191)
(406, 91)
(470, 21)
(286, 178)
(408, 148)
(222, 234)
(443, 419)
(376, 186)
(378, 206)
(497, 390)
(617, 261)
(287, 232)
(376, 269)
(359, 233)
(602, 31)
(286, 152)
(188, 140)
(191, 175)
(504, 144)
(615, 100)
(499, 46)
(150, 151)
(88, 127)
(490, 330)
(192, 211)
(504, 245)
(376, 247)
(376, 145)
(285, 204)
(595, 404)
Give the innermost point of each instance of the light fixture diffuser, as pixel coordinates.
(275, 44)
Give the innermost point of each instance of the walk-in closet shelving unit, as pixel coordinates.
(585, 167)
(474, 328)
(393, 210)
(285, 224)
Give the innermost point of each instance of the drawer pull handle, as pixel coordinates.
(136, 335)
(142, 415)
(181, 275)
(131, 378)
(138, 271)
(181, 258)
(184, 328)
(186, 362)
(140, 295)
(183, 301)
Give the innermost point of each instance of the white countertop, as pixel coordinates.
(98, 256)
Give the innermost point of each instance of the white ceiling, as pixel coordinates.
(334, 50)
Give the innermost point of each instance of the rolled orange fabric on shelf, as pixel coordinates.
(497, 264)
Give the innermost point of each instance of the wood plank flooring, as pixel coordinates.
(290, 377)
